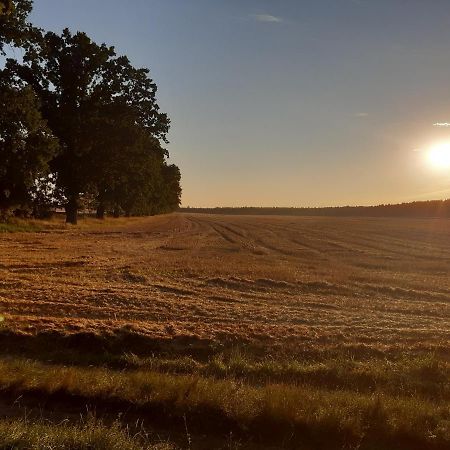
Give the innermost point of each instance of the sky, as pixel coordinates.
(288, 102)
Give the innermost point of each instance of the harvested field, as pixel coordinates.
(311, 283)
(355, 310)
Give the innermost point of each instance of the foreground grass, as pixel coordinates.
(21, 226)
(25, 435)
(272, 411)
(424, 374)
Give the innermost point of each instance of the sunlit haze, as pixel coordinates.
(293, 103)
(439, 155)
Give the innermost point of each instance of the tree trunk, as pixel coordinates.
(100, 211)
(72, 210)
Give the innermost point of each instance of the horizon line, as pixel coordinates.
(316, 207)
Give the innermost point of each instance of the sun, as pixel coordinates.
(439, 155)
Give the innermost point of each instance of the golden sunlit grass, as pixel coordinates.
(23, 434)
(329, 332)
(411, 375)
(57, 223)
(349, 416)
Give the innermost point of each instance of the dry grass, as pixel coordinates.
(22, 434)
(341, 325)
(281, 282)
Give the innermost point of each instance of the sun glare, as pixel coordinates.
(439, 155)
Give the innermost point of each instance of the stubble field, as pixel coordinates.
(232, 331)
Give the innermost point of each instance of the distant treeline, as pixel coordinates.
(432, 208)
(80, 127)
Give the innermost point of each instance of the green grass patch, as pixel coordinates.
(425, 374)
(419, 374)
(310, 415)
(20, 226)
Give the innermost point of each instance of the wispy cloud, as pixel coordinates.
(441, 124)
(267, 18)
(362, 114)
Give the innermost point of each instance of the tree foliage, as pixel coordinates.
(26, 145)
(14, 28)
(129, 162)
(106, 118)
(6, 7)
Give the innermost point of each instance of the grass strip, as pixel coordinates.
(21, 434)
(307, 414)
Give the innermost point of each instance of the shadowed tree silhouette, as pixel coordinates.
(14, 28)
(26, 145)
(77, 81)
(128, 162)
(103, 112)
(6, 7)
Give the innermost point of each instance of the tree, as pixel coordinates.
(171, 187)
(140, 191)
(26, 145)
(78, 82)
(6, 7)
(127, 161)
(14, 28)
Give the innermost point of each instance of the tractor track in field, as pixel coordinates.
(379, 283)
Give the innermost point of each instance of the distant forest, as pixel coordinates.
(432, 208)
(80, 126)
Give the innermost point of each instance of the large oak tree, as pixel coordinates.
(78, 82)
(103, 111)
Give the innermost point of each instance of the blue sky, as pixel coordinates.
(292, 102)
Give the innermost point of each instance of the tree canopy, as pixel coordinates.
(105, 115)
(15, 30)
(26, 146)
